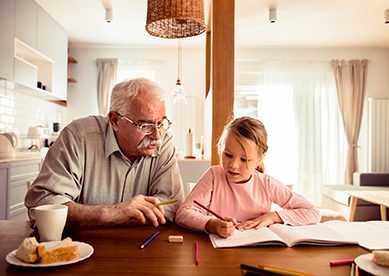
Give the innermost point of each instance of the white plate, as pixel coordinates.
(84, 251)
(365, 263)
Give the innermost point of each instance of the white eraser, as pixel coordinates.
(176, 239)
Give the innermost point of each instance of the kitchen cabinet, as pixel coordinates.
(26, 21)
(13, 178)
(52, 42)
(40, 52)
(7, 33)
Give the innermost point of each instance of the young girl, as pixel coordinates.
(239, 191)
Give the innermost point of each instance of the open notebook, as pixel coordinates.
(372, 235)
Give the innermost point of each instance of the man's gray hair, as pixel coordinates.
(127, 90)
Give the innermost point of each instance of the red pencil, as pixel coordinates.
(209, 210)
(342, 262)
(197, 252)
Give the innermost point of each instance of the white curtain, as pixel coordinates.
(106, 70)
(299, 108)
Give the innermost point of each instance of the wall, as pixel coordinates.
(19, 111)
(377, 82)
(82, 99)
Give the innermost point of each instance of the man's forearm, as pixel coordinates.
(86, 216)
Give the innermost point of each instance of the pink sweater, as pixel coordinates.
(243, 201)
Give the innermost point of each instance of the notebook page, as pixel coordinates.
(315, 234)
(372, 235)
(252, 237)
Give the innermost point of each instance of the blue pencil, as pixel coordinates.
(149, 239)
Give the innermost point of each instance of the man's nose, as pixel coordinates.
(156, 134)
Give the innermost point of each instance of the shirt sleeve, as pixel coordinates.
(296, 210)
(166, 182)
(190, 215)
(58, 181)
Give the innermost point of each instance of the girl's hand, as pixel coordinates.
(261, 221)
(220, 227)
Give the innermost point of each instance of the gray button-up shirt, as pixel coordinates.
(85, 165)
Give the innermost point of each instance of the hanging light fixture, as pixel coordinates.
(175, 18)
(178, 92)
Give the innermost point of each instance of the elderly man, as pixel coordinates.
(113, 170)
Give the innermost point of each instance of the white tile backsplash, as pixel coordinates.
(19, 111)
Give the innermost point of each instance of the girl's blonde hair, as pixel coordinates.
(249, 128)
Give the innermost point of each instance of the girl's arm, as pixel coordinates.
(190, 215)
(296, 210)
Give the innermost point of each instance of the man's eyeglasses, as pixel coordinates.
(148, 128)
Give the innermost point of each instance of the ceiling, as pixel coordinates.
(300, 23)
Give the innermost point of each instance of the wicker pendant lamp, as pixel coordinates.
(175, 18)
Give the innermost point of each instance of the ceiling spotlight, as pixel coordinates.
(387, 16)
(108, 15)
(272, 15)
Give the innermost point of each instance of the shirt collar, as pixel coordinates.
(111, 144)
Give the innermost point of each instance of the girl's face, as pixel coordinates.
(237, 165)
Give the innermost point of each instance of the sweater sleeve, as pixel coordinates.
(191, 216)
(296, 210)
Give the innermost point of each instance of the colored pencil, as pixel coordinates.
(283, 271)
(166, 202)
(197, 252)
(209, 210)
(152, 237)
(253, 270)
(342, 262)
(353, 269)
(272, 270)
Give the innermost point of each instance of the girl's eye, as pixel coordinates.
(243, 159)
(227, 155)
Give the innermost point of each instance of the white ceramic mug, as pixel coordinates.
(50, 220)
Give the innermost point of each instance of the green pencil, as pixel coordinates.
(166, 202)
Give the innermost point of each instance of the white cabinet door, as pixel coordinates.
(46, 27)
(26, 21)
(52, 42)
(7, 33)
(60, 65)
(3, 190)
(20, 172)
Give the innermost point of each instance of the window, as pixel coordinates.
(297, 103)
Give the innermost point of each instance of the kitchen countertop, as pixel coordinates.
(23, 156)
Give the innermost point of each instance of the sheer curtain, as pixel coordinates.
(106, 70)
(298, 106)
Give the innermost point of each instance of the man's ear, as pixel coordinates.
(113, 118)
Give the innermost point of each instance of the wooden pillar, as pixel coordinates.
(222, 68)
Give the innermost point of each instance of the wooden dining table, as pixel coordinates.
(117, 251)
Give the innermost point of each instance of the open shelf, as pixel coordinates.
(72, 60)
(33, 67)
(71, 80)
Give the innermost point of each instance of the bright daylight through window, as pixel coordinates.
(297, 102)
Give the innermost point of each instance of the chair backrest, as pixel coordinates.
(371, 179)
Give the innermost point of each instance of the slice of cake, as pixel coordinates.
(65, 250)
(381, 258)
(27, 250)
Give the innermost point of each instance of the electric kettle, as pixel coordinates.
(8, 144)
